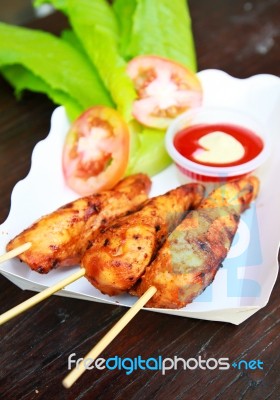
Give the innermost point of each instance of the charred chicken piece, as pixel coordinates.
(61, 238)
(121, 252)
(188, 261)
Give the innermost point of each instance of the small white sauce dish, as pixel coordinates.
(216, 115)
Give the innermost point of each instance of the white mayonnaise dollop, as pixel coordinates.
(219, 148)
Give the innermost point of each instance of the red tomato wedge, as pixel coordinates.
(96, 150)
(165, 89)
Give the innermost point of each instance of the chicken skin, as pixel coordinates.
(61, 238)
(121, 252)
(188, 261)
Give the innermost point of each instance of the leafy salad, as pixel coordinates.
(122, 71)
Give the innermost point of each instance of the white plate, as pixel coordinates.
(244, 284)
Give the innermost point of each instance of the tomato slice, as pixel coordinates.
(96, 150)
(165, 89)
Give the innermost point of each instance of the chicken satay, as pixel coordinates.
(121, 252)
(60, 238)
(188, 261)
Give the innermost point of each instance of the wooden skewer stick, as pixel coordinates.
(13, 312)
(15, 252)
(71, 378)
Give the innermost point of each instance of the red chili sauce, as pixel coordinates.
(186, 141)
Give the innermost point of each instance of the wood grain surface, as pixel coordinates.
(243, 39)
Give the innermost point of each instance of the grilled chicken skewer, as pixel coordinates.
(188, 261)
(61, 238)
(121, 252)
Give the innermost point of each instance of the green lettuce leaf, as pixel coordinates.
(161, 28)
(22, 79)
(124, 11)
(69, 36)
(148, 153)
(54, 61)
(96, 26)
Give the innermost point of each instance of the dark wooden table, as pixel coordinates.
(242, 38)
